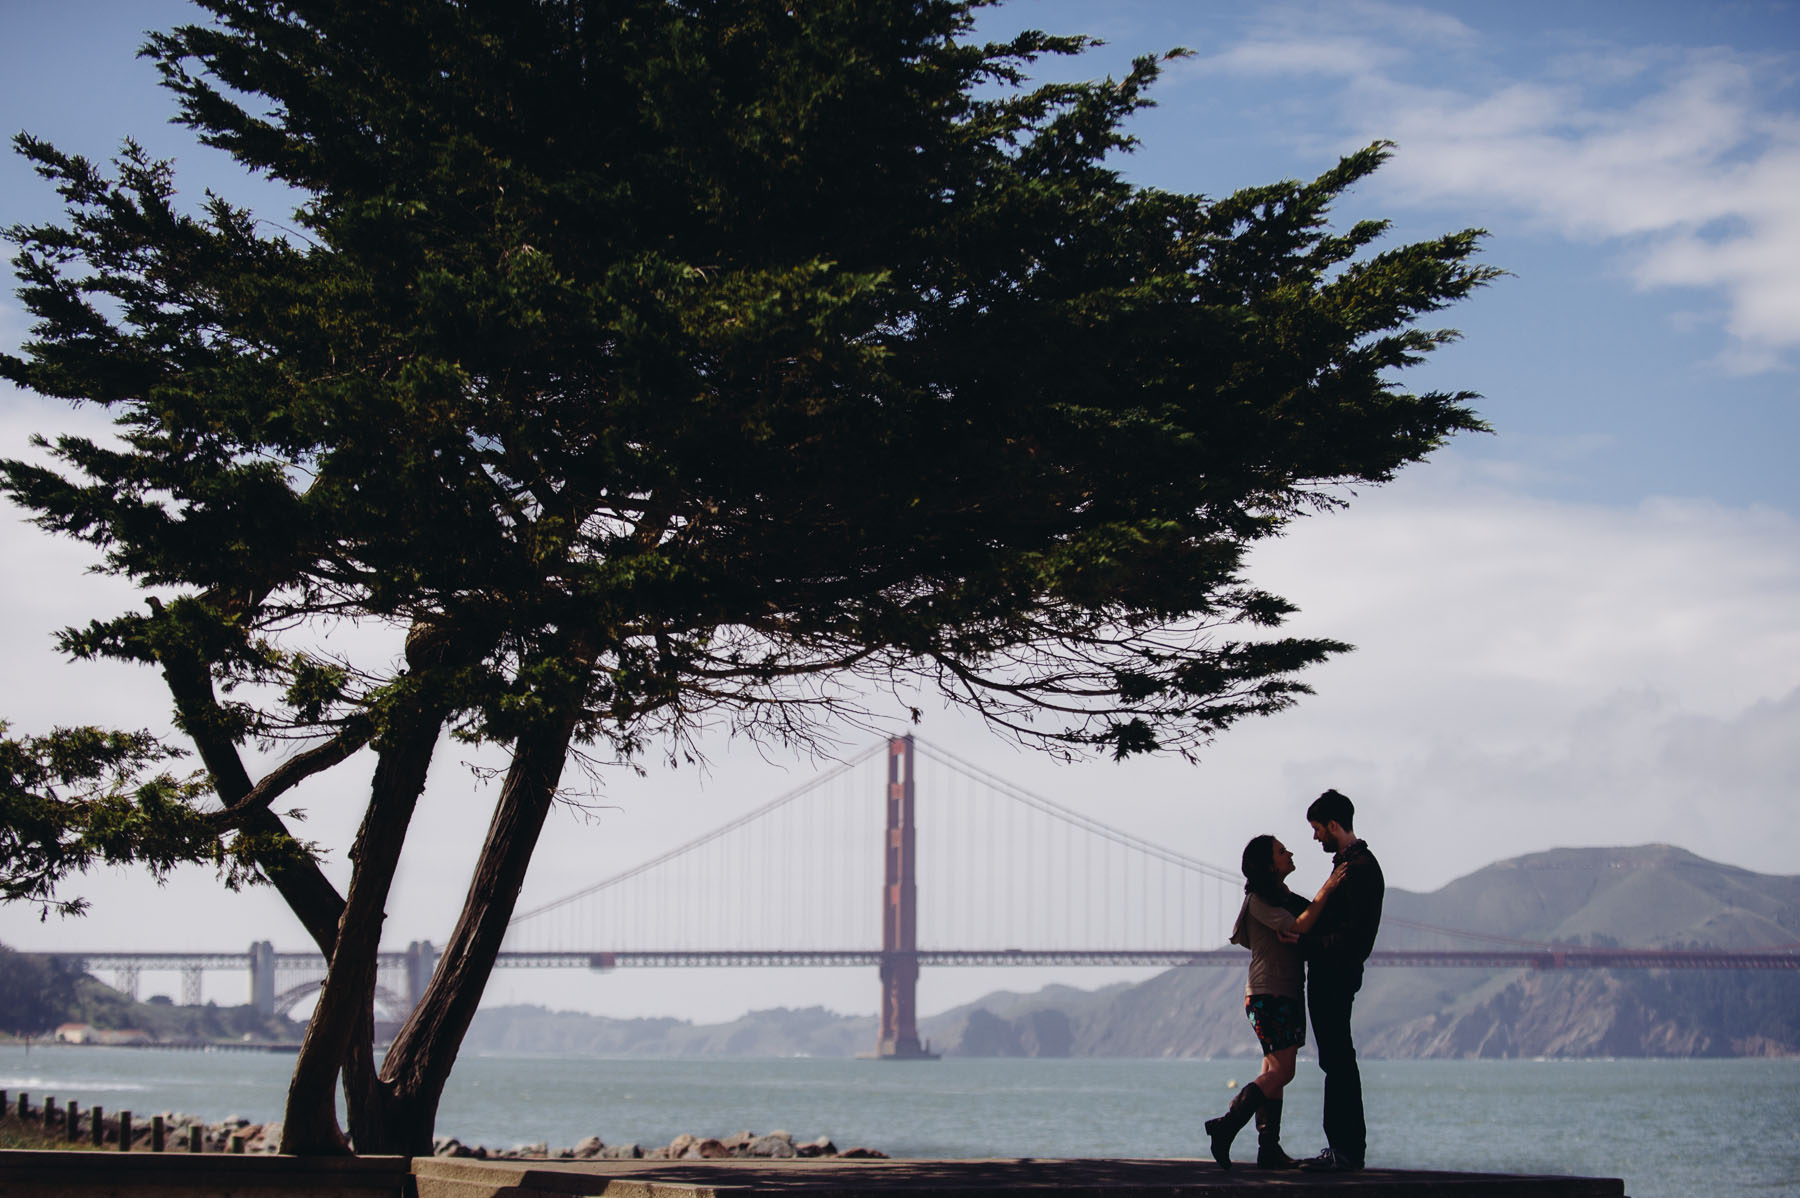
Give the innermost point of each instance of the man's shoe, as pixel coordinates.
(1330, 1162)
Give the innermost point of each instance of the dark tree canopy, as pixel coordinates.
(652, 363)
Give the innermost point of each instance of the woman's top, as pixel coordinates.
(1275, 968)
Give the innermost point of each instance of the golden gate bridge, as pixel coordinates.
(970, 870)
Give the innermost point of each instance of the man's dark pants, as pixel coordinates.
(1330, 992)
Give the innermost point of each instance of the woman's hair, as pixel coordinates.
(1258, 864)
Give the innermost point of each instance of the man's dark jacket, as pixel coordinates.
(1345, 934)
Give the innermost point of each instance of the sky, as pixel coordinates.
(1581, 629)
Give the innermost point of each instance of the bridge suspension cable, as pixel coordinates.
(700, 842)
(1086, 823)
(999, 867)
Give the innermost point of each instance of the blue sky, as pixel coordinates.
(1582, 629)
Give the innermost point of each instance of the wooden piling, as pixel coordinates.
(196, 1138)
(97, 1115)
(24, 1105)
(124, 1131)
(72, 1121)
(156, 1133)
(50, 1119)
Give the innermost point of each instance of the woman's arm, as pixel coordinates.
(1277, 919)
(1306, 919)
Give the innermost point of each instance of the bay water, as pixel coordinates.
(1668, 1127)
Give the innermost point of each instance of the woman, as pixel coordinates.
(1269, 924)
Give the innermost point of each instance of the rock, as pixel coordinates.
(621, 1152)
(681, 1144)
(706, 1150)
(265, 1139)
(450, 1146)
(819, 1147)
(587, 1149)
(738, 1141)
(777, 1144)
(862, 1154)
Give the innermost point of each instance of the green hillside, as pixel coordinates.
(1651, 896)
(40, 991)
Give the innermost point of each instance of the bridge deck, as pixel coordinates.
(965, 1179)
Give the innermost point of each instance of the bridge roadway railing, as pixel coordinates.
(264, 965)
(417, 962)
(173, 959)
(1569, 958)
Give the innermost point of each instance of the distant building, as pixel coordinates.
(83, 1033)
(124, 1035)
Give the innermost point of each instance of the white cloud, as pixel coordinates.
(1686, 160)
(1531, 674)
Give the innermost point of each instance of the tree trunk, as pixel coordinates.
(340, 1035)
(304, 886)
(345, 1012)
(418, 1063)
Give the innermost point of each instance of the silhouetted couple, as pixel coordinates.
(1315, 950)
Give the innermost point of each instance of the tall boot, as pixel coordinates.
(1226, 1127)
(1268, 1137)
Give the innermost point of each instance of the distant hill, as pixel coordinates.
(1651, 896)
(1655, 895)
(812, 1032)
(40, 991)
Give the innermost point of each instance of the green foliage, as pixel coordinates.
(82, 796)
(36, 992)
(755, 343)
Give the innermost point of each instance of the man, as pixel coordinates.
(1335, 950)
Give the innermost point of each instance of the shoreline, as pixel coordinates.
(75, 1127)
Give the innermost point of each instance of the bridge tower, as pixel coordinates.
(262, 977)
(899, 915)
(421, 959)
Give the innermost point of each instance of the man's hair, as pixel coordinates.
(1332, 806)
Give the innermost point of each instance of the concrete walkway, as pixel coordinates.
(113, 1174)
(461, 1178)
(216, 1175)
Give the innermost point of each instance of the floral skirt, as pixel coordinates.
(1280, 1021)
